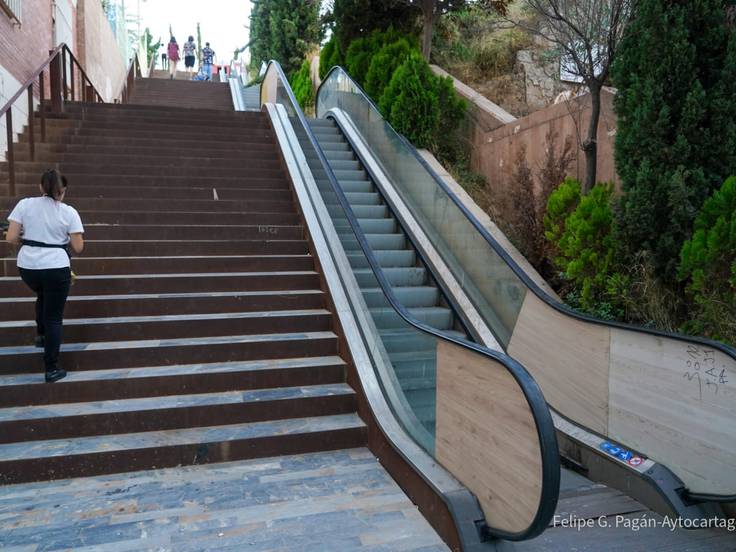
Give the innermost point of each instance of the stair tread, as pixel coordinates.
(171, 318)
(172, 401)
(160, 343)
(143, 296)
(179, 275)
(176, 437)
(173, 370)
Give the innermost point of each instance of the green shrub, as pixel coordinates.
(383, 64)
(361, 51)
(410, 102)
(330, 56)
(586, 247)
(561, 204)
(450, 144)
(301, 84)
(708, 265)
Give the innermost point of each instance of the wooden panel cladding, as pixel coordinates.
(676, 402)
(568, 358)
(487, 437)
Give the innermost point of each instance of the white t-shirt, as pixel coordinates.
(49, 221)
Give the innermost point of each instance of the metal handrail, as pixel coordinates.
(527, 384)
(524, 277)
(62, 87)
(134, 72)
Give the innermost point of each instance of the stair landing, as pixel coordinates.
(341, 500)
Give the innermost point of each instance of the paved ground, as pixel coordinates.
(336, 501)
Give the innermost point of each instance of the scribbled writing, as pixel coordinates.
(702, 369)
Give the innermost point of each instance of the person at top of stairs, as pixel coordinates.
(190, 56)
(208, 58)
(45, 227)
(173, 51)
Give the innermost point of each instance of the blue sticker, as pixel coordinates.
(606, 446)
(614, 450)
(625, 455)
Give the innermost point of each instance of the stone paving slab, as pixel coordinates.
(334, 501)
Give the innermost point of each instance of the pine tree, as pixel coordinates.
(676, 135)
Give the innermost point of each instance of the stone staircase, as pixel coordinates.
(197, 330)
(182, 93)
(412, 354)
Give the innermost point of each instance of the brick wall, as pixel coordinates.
(24, 47)
(98, 50)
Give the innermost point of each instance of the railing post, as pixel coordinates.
(11, 157)
(63, 73)
(57, 100)
(42, 108)
(73, 81)
(31, 125)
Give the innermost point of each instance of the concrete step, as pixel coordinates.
(178, 379)
(183, 217)
(133, 248)
(133, 354)
(193, 233)
(85, 419)
(159, 181)
(93, 166)
(176, 283)
(64, 458)
(134, 328)
(172, 264)
(173, 204)
(277, 193)
(156, 304)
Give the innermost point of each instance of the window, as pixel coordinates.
(12, 8)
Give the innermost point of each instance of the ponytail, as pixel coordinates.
(53, 184)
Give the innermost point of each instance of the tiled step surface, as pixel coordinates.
(341, 500)
(197, 330)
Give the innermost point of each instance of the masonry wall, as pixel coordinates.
(495, 152)
(24, 46)
(98, 50)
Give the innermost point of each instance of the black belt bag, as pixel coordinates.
(34, 243)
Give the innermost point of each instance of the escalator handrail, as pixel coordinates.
(529, 387)
(531, 284)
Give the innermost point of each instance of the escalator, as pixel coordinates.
(461, 407)
(412, 356)
(625, 406)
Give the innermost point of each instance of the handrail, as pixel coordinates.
(62, 85)
(527, 384)
(134, 71)
(522, 275)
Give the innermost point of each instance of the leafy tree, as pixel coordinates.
(360, 54)
(586, 246)
(301, 84)
(383, 64)
(676, 135)
(588, 36)
(560, 205)
(353, 19)
(708, 264)
(329, 56)
(411, 103)
(284, 30)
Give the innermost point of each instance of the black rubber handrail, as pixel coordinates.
(533, 394)
(523, 276)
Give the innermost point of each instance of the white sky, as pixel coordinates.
(222, 22)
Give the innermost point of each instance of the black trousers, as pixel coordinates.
(51, 285)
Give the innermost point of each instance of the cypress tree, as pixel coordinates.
(284, 30)
(676, 136)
